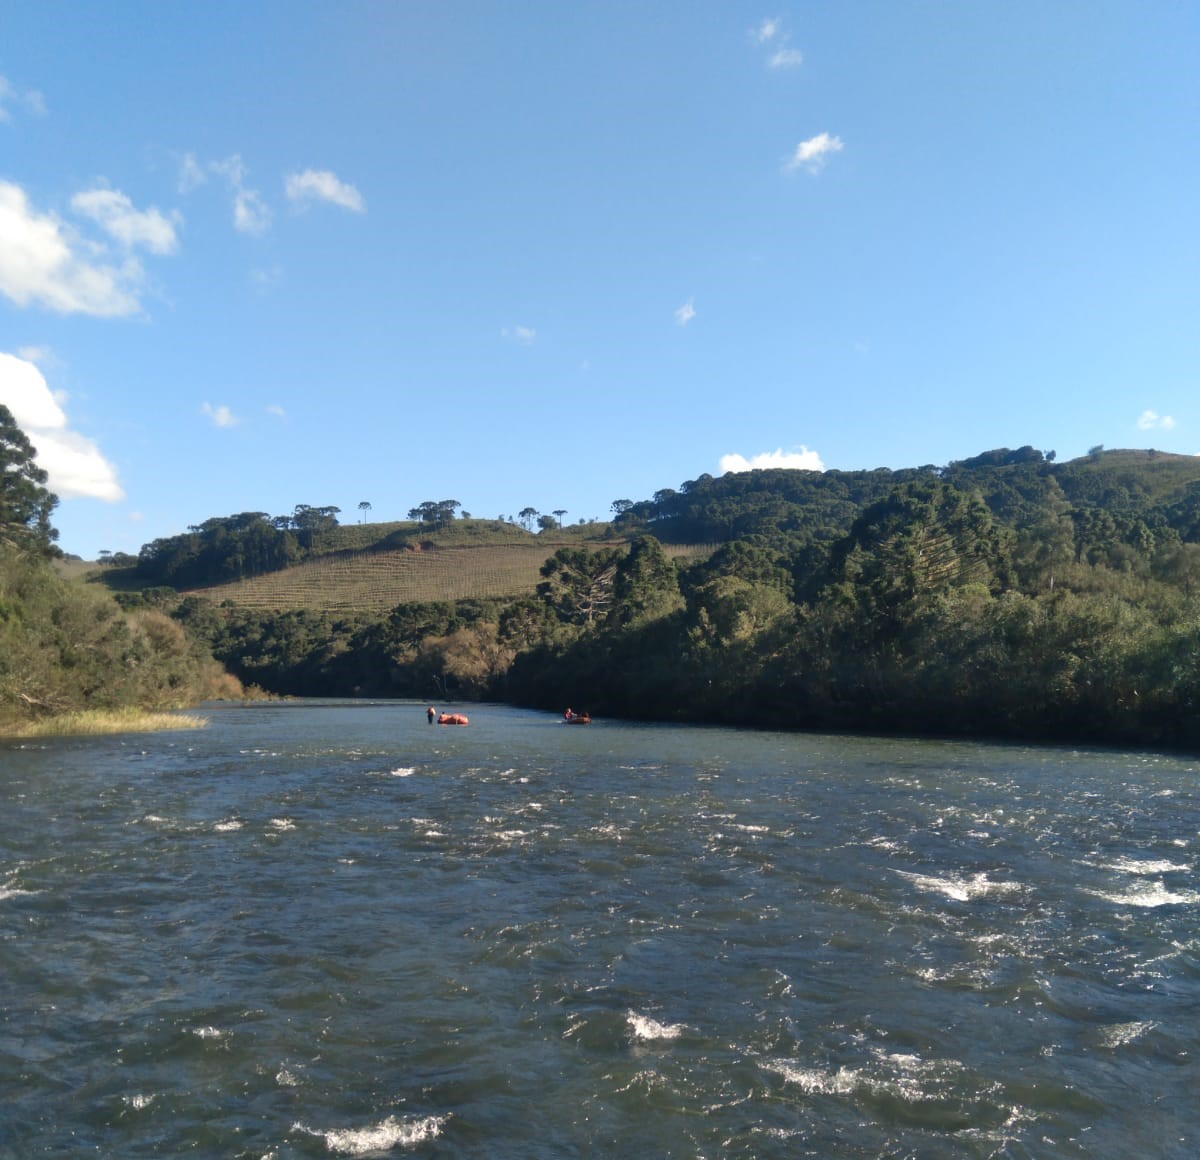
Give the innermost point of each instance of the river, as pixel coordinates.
(330, 928)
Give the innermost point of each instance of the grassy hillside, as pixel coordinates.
(442, 566)
(1154, 476)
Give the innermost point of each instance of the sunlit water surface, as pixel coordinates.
(322, 929)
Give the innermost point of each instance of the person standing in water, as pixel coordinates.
(431, 713)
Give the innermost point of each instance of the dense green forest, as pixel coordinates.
(67, 646)
(1004, 595)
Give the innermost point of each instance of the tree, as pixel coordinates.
(558, 515)
(646, 584)
(547, 523)
(437, 512)
(25, 502)
(527, 516)
(312, 521)
(578, 584)
(364, 507)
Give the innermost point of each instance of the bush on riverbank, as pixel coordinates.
(67, 648)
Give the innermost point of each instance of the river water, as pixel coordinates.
(322, 929)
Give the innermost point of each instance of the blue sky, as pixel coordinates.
(255, 255)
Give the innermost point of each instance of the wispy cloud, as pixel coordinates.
(802, 460)
(321, 185)
(785, 58)
(767, 30)
(73, 464)
(11, 96)
(251, 214)
(114, 213)
(770, 33)
(686, 312)
(813, 153)
(221, 416)
(192, 174)
(43, 356)
(265, 279)
(524, 335)
(45, 262)
(1153, 421)
(276, 410)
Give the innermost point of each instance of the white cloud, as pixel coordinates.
(42, 355)
(191, 173)
(321, 185)
(771, 32)
(767, 30)
(251, 214)
(525, 335)
(114, 213)
(802, 460)
(276, 410)
(813, 153)
(785, 58)
(73, 463)
(686, 312)
(221, 416)
(43, 262)
(10, 95)
(1152, 420)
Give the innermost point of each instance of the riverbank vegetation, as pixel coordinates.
(71, 658)
(1005, 595)
(95, 722)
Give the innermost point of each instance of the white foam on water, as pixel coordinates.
(138, 1101)
(228, 825)
(381, 1137)
(959, 887)
(285, 1078)
(404, 771)
(282, 824)
(209, 1033)
(1147, 895)
(1119, 1034)
(8, 890)
(644, 1028)
(814, 1080)
(1145, 866)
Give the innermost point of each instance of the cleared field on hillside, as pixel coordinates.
(377, 581)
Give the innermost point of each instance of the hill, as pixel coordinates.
(1003, 595)
(374, 567)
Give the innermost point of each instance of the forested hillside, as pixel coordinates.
(1002, 595)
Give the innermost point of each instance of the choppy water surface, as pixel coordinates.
(330, 929)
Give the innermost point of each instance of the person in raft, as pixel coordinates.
(568, 714)
(431, 713)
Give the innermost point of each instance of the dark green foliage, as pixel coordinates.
(578, 584)
(66, 646)
(25, 502)
(223, 549)
(1004, 595)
